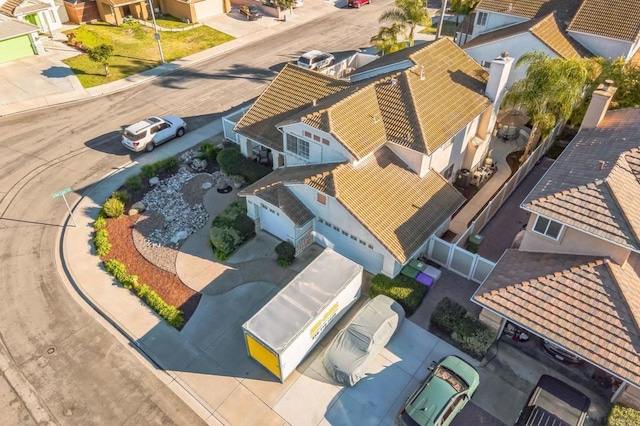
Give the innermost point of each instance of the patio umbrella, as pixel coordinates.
(512, 117)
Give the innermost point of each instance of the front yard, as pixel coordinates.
(135, 49)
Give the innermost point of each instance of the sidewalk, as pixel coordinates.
(46, 81)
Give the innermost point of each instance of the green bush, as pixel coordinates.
(101, 242)
(148, 170)
(230, 229)
(286, 253)
(466, 332)
(209, 152)
(623, 416)
(232, 162)
(100, 223)
(122, 196)
(220, 255)
(169, 164)
(406, 291)
(169, 313)
(113, 207)
(134, 183)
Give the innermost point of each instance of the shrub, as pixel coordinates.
(230, 229)
(101, 242)
(169, 313)
(623, 416)
(100, 223)
(113, 207)
(169, 164)
(122, 196)
(134, 183)
(220, 255)
(286, 253)
(466, 332)
(406, 291)
(232, 162)
(148, 170)
(209, 152)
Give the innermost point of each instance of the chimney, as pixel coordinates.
(599, 104)
(498, 75)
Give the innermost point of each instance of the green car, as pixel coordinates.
(444, 393)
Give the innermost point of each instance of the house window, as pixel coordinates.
(446, 173)
(482, 19)
(321, 198)
(263, 206)
(307, 134)
(547, 227)
(354, 238)
(336, 228)
(362, 242)
(325, 141)
(298, 146)
(320, 220)
(485, 64)
(316, 138)
(370, 246)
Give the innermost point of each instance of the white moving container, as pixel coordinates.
(285, 330)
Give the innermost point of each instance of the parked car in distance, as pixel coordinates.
(443, 394)
(250, 12)
(358, 3)
(315, 60)
(554, 402)
(149, 133)
(354, 348)
(560, 354)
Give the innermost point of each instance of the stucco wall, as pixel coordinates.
(494, 21)
(319, 152)
(572, 241)
(603, 46)
(179, 9)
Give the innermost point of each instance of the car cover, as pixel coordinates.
(356, 346)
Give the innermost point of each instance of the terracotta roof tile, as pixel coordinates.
(619, 19)
(532, 8)
(601, 200)
(400, 209)
(590, 306)
(9, 6)
(291, 91)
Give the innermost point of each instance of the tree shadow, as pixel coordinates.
(58, 72)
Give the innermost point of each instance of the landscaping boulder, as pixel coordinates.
(139, 206)
(207, 185)
(199, 164)
(154, 181)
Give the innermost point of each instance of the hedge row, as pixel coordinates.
(404, 290)
(171, 314)
(623, 416)
(232, 162)
(169, 164)
(466, 332)
(230, 229)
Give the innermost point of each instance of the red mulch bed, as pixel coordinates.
(167, 285)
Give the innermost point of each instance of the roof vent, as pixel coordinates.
(375, 117)
(504, 55)
(602, 163)
(422, 72)
(394, 81)
(315, 102)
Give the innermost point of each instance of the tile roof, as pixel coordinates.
(400, 209)
(546, 29)
(588, 305)
(291, 91)
(30, 6)
(565, 9)
(619, 19)
(282, 197)
(12, 27)
(400, 107)
(8, 6)
(594, 185)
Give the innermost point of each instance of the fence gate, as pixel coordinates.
(456, 259)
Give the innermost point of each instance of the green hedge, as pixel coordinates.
(101, 241)
(286, 253)
(232, 162)
(465, 331)
(230, 229)
(623, 416)
(169, 164)
(171, 314)
(406, 291)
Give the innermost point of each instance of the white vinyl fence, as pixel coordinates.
(470, 265)
(229, 122)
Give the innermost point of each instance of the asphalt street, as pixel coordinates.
(70, 367)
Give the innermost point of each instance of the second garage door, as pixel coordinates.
(272, 222)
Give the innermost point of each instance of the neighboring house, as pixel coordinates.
(544, 34)
(18, 39)
(575, 278)
(114, 11)
(610, 29)
(365, 165)
(41, 13)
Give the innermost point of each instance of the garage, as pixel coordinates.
(15, 39)
(351, 247)
(274, 222)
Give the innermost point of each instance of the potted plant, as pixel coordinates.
(237, 180)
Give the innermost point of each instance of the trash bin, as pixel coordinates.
(474, 242)
(463, 178)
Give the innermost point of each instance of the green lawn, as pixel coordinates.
(448, 28)
(168, 21)
(136, 50)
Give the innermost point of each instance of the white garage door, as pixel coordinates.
(370, 260)
(271, 221)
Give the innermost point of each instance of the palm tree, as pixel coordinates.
(550, 91)
(409, 14)
(389, 39)
(462, 8)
